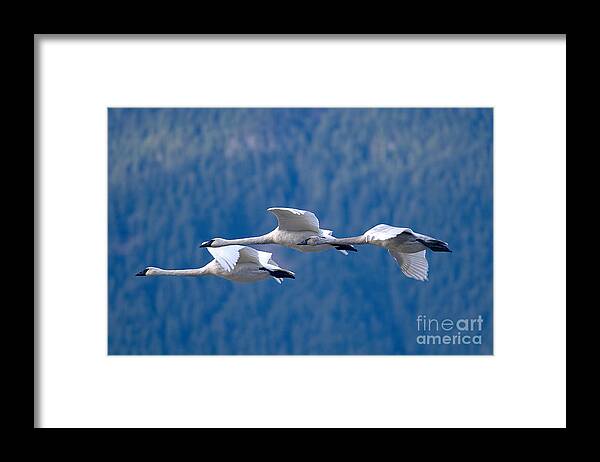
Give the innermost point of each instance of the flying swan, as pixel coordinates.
(407, 247)
(293, 226)
(236, 263)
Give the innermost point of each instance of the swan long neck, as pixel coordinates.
(264, 239)
(180, 272)
(355, 240)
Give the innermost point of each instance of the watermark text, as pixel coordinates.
(447, 331)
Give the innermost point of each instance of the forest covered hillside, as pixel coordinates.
(178, 177)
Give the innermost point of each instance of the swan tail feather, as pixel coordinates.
(280, 273)
(435, 245)
(345, 248)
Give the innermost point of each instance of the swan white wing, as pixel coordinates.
(264, 258)
(227, 257)
(231, 255)
(295, 219)
(413, 265)
(384, 232)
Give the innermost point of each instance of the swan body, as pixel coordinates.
(293, 227)
(406, 246)
(236, 263)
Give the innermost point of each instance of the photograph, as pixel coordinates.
(300, 231)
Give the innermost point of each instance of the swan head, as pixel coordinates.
(216, 242)
(314, 240)
(149, 271)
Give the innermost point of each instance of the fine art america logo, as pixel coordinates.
(447, 331)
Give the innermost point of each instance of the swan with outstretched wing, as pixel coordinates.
(293, 226)
(236, 263)
(407, 247)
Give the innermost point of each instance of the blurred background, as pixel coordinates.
(178, 177)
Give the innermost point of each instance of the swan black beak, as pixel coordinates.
(143, 272)
(207, 243)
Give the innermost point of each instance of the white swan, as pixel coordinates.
(235, 263)
(293, 226)
(406, 246)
